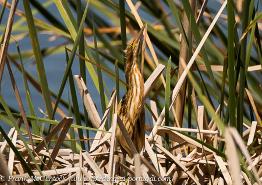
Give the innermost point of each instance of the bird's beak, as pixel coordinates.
(141, 38)
(140, 43)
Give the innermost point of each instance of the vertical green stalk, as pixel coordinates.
(122, 23)
(82, 67)
(35, 126)
(223, 84)
(189, 107)
(71, 130)
(99, 73)
(167, 103)
(117, 79)
(70, 61)
(75, 105)
(81, 42)
(82, 53)
(167, 92)
(38, 58)
(240, 108)
(231, 63)
(2, 11)
(122, 10)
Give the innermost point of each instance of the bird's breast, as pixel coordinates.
(136, 93)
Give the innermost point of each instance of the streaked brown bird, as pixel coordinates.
(131, 108)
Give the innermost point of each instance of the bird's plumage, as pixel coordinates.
(131, 108)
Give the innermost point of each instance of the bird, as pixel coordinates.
(131, 107)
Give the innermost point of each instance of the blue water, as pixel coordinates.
(55, 66)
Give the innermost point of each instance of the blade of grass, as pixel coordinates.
(123, 26)
(251, 25)
(117, 79)
(20, 104)
(75, 106)
(67, 16)
(231, 63)
(43, 120)
(184, 54)
(167, 101)
(195, 32)
(36, 84)
(38, 57)
(103, 68)
(167, 91)
(99, 73)
(2, 11)
(197, 36)
(20, 24)
(35, 127)
(70, 61)
(71, 132)
(82, 67)
(47, 14)
(182, 78)
(243, 70)
(223, 84)
(81, 42)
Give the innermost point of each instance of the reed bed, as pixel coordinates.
(202, 92)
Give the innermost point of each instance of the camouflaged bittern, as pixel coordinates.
(131, 108)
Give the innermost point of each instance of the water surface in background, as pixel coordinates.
(54, 66)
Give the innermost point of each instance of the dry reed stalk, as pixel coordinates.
(183, 60)
(20, 103)
(6, 38)
(88, 102)
(186, 70)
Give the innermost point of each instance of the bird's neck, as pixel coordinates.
(135, 92)
(135, 80)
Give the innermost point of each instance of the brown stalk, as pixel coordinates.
(66, 125)
(183, 60)
(6, 38)
(20, 104)
(88, 102)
